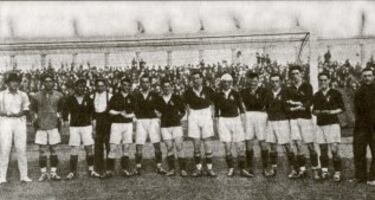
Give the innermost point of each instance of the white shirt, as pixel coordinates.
(167, 98)
(100, 101)
(12, 103)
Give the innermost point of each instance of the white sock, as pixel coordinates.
(53, 170)
(199, 166)
(302, 168)
(324, 169)
(138, 166)
(209, 166)
(158, 165)
(43, 170)
(91, 168)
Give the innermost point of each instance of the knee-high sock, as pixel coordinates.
(73, 163)
(264, 155)
(241, 162)
(292, 160)
(324, 160)
(125, 162)
(110, 164)
(273, 158)
(301, 159)
(171, 162)
(229, 160)
(337, 163)
(43, 163)
(249, 158)
(314, 159)
(182, 163)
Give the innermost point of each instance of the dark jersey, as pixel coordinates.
(331, 101)
(199, 101)
(303, 94)
(171, 111)
(230, 106)
(80, 114)
(120, 103)
(256, 101)
(276, 105)
(144, 107)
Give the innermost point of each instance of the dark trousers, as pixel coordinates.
(362, 138)
(103, 127)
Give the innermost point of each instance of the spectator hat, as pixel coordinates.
(226, 77)
(13, 77)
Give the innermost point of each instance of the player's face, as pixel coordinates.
(125, 87)
(275, 82)
(48, 84)
(145, 84)
(324, 82)
(368, 77)
(296, 75)
(167, 88)
(13, 85)
(100, 86)
(80, 89)
(197, 80)
(226, 84)
(253, 83)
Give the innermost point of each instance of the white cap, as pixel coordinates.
(226, 77)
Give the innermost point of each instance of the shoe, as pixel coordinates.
(137, 171)
(211, 173)
(371, 183)
(230, 172)
(245, 173)
(70, 176)
(126, 173)
(107, 174)
(44, 177)
(293, 174)
(196, 173)
(355, 180)
(316, 175)
(302, 174)
(26, 180)
(55, 177)
(94, 174)
(269, 173)
(161, 171)
(171, 172)
(325, 175)
(337, 177)
(183, 173)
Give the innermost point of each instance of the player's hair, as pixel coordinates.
(126, 80)
(193, 73)
(252, 74)
(275, 75)
(79, 82)
(98, 80)
(165, 80)
(43, 77)
(324, 74)
(295, 67)
(145, 76)
(12, 76)
(368, 69)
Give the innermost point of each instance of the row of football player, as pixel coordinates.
(274, 116)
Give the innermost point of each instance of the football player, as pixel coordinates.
(148, 125)
(228, 108)
(200, 99)
(80, 108)
(253, 98)
(278, 131)
(46, 108)
(172, 110)
(299, 100)
(121, 110)
(327, 104)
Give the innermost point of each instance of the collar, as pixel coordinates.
(46, 92)
(124, 94)
(99, 94)
(199, 91)
(275, 93)
(145, 94)
(167, 97)
(325, 92)
(227, 92)
(297, 86)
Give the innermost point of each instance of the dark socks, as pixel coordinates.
(73, 163)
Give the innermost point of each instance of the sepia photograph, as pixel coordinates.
(187, 100)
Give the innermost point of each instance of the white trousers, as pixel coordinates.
(13, 130)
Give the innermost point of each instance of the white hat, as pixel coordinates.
(226, 77)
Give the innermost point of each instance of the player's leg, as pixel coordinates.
(170, 157)
(336, 159)
(197, 157)
(313, 160)
(112, 156)
(229, 158)
(125, 160)
(260, 132)
(19, 131)
(207, 143)
(154, 133)
(249, 142)
(324, 160)
(43, 163)
(73, 161)
(241, 157)
(5, 148)
(54, 162)
(178, 141)
(298, 147)
(140, 140)
(292, 162)
(264, 152)
(88, 143)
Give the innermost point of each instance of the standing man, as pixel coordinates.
(102, 124)
(363, 136)
(200, 121)
(253, 98)
(148, 125)
(299, 100)
(172, 110)
(46, 107)
(327, 104)
(81, 109)
(228, 107)
(14, 106)
(121, 111)
(278, 131)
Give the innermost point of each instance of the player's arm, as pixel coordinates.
(113, 107)
(181, 106)
(340, 105)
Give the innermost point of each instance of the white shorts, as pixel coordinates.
(47, 137)
(121, 133)
(256, 125)
(231, 129)
(169, 133)
(147, 128)
(328, 134)
(302, 129)
(80, 135)
(200, 124)
(278, 132)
